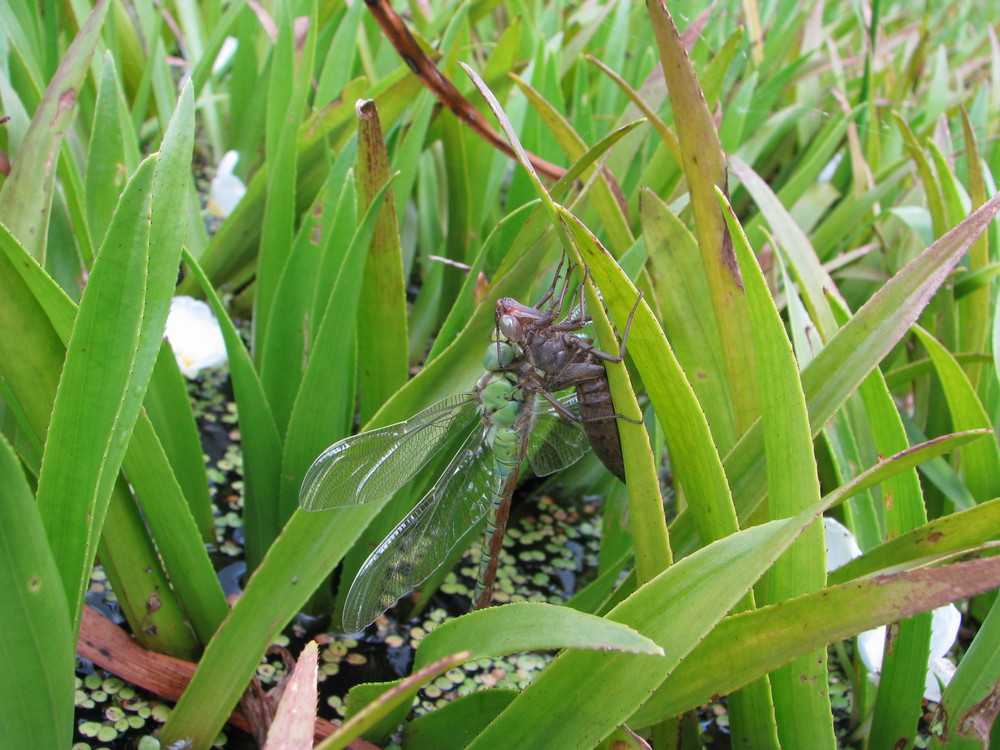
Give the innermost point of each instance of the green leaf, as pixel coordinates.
(168, 407)
(980, 461)
(526, 626)
(747, 645)
(325, 405)
(285, 101)
(813, 278)
(457, 722)
(365, 693)
(840, 367)
(900, 689)
(381, 319)
(135, 567)
(941, 538)
(26, 194)
(111, 352)
(649, 531)
(336, 67)
(89, 429)
(260, 437)
(130, 558)
(694, 458)
(111, 155)
(801, 697)
(399, 695)
(608, 209)
(288, 336)
(682, 291)
(966, 711)
(705, 168)
(36, 318)
(674, 610)
(38, 643)
(167, 235)
(232, 250)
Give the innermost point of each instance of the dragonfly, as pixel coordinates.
(560, 358)
(509, 416)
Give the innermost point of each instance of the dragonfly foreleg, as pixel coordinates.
(628, 325)
(557, 302)
(559, 407)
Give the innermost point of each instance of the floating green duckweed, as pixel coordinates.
(433, 692)
(89, 728)
(160, 712)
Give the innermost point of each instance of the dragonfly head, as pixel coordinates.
(514, 319)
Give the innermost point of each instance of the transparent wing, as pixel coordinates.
(371, 465)
(422, 540)
(555, 443)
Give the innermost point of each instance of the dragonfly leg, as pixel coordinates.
(628, 325)
(559, 407)
(555, 284)
(602, 355)
(602, 417)
(557, 304)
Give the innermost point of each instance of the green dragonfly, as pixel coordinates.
(509, 416)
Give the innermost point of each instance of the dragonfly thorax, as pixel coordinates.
(499, 396)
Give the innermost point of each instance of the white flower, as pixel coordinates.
(829, 169)
(841, 547)
(226, 189)
(226, 52)
(194, 335)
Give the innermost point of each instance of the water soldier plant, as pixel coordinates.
(801, 192)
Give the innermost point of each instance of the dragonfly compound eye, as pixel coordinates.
(498, 355)
(510, 326)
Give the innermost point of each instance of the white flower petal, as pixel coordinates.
(226, 52)
(226, 189)
(841, 547)
(830, 168)
(939, 672)
(945, 622)
(871, 647)
(944, 630)
(228, 163)
(194, 335)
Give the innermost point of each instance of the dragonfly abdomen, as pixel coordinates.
(507, 454)
(600, 423)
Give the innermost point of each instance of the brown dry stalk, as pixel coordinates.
(424, 68)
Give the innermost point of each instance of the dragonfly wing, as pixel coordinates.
(374, 464)
(422, 540)
(555, 443)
